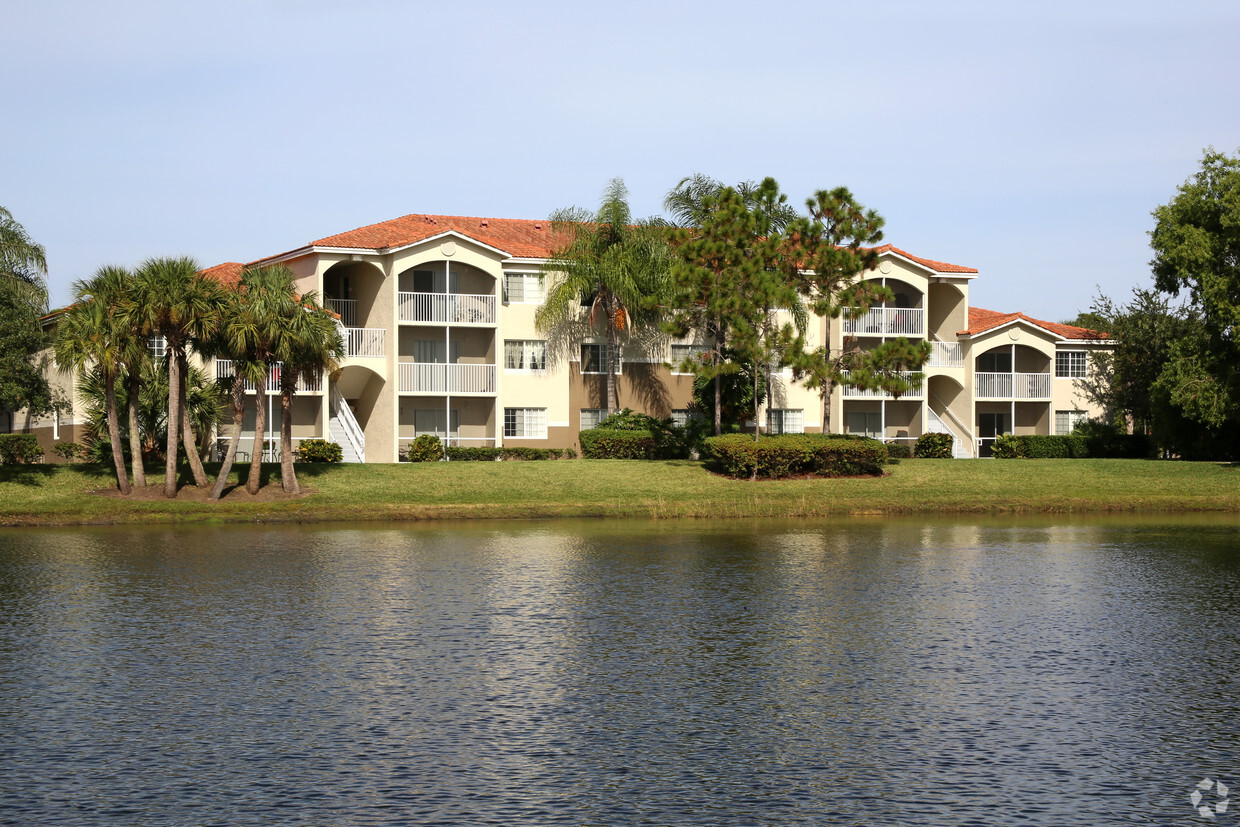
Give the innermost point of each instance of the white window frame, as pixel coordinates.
(1070, 368)
(1069, 419)
(157, 346)
(790, 420)
(683, 416)
(531, 354)
(592, 415)
(533, 287)
(525, 423)
(688, 351)
(602, 353)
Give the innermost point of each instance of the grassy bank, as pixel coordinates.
(65, 495)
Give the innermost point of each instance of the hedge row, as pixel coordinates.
(19, 448)
(604, 443)
(1073, 446)
(824, 455)
(488, 454)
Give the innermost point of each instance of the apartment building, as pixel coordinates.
(438, 318)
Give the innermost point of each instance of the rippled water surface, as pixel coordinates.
(621, 673)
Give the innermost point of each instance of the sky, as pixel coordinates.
(1029, 140)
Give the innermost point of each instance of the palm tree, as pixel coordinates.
(615, 264)
(92, 333)
(22, 259)
(232, 342)
(309, 345)
(174, 300)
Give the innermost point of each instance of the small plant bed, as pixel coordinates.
(796, 455)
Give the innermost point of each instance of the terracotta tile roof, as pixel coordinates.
(981, 320)
(227, 274)
(937, 266)
(519, 238)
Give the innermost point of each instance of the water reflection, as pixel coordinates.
(931, 672)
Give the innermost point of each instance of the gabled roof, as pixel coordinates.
(928, 263)
(981, 320)
(520, 238)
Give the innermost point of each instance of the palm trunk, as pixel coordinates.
(756, 424)
(260, 425)
(612, 401)
(114, 435)
(187, 430)
(174, 416)
(135, 433)
(287, 475)
(238, 399)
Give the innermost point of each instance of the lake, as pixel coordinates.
(937, 672)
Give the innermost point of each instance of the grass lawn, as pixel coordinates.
(64, 495)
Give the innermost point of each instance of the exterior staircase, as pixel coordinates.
(935, 425)
(342, 428)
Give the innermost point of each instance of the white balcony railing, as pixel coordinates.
(946, 355)
(446, 308)
(363, 341)
(426, 377)
(852, 392)
(347, 308)
(224, 370)
(1012, 386)
(888, 321)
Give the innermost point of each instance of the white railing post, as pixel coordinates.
(352, 430)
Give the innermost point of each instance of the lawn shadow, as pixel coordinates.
(33, 476)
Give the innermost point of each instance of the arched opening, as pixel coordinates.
(359, 414)
(352, 289)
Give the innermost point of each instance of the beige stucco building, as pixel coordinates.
(438, 318)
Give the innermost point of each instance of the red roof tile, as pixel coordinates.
(981, 320)
(519, 238)
(937, 266)
(227, 274)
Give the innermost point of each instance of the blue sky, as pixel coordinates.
(1028, 140)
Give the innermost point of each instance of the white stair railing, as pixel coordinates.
(965, 453)
(352, 431)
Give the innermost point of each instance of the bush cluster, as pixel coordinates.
(319, 450)
(824, 455)
(898, 450)
(489, 454)
(1079, 445)
(71, 451)
(601, 443)
(629, 435)
(933, 446)
(19, 449)
(426, 448)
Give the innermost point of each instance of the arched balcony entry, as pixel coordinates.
(904, 315)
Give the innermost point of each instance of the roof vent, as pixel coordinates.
(483, 224)
(537, 226)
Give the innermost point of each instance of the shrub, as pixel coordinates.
(472, 453)
(898, 450)
(630, 420)
(319, 450)
(71, 451)
(1008, 446)
(425, 448)
(522, 454)
(19, 448)
(601, 443)
(824, 455)
(1107, 441)
(933, 446)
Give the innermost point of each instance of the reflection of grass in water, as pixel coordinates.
(620, 488)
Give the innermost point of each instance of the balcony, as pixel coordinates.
(888, 321)
(915, 392)
(436, 378)
(224, 370)
(363, 342)
(446, 308)
(347, 308)
(946, 355)
(1012, 386)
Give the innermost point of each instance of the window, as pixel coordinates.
(785, 421)
(1070, 364)
(864, 424)
(594, 358)
(1066, 421)
(157, 345)
(682, 353)
(528, 423)
(524, 288)
(591, 417)
(681, 418)
(523, 354)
